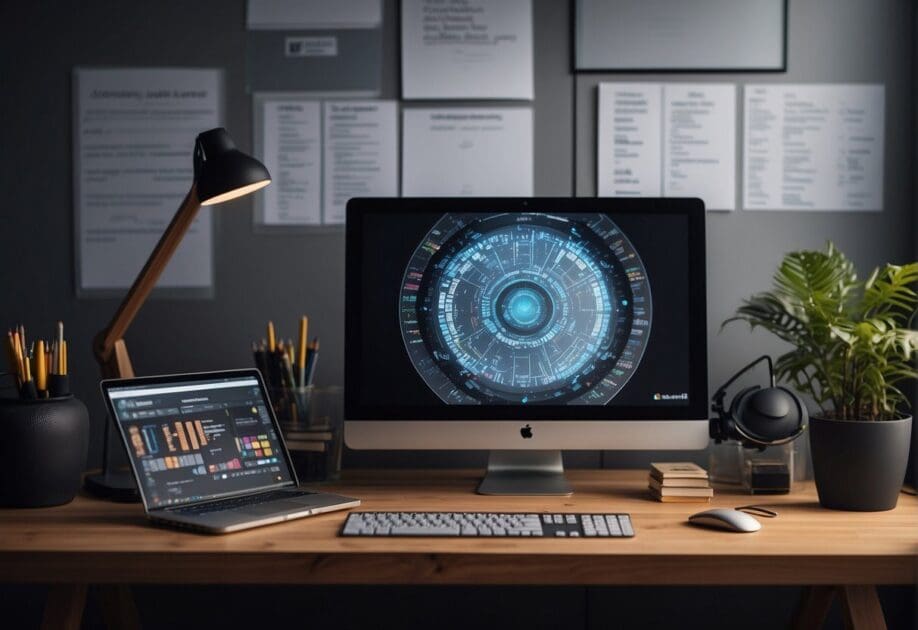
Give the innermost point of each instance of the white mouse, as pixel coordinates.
(725, 518)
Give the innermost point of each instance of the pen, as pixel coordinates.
(313, 358)
(288, 371)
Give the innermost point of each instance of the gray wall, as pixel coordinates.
(829, 40)
(40, 42)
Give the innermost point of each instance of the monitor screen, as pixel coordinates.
(539, 308)
(198, 438)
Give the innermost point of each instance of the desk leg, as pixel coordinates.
(64, 607)
(813, 608)
(118, 607)
(861, 608)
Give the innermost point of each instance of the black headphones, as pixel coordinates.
(758, 416)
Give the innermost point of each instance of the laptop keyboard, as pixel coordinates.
(239, 502)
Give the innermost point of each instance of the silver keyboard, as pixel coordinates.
(488, 524)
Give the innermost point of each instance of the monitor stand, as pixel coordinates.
(533, 473)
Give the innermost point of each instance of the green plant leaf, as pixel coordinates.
(852, 341)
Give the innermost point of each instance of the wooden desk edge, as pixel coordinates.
(460, 568)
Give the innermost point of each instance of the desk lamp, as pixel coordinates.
(221, 173)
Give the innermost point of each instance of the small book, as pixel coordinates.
(684, 470)
(663, 499)
(678, 482)
(306, 445)
(308, 435)
(666, 491)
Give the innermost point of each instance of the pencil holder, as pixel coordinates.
(292, 405)
(43, 450)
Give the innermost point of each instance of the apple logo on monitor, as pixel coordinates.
(526, 432)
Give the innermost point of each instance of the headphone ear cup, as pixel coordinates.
(735, 414)
(803, 415)
(773, 415)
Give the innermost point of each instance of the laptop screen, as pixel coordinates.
(200, 438)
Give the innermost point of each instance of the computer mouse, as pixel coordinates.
(726, 519)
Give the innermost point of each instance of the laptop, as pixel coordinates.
(207, 452)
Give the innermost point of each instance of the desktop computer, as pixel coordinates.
(525, 326)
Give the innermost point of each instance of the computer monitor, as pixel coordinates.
(525, 326)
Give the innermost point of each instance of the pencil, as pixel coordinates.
(301, 355)
(41, 370)
(22, 342)
(272, 345)
(64, 357)
(17, 350)
(12, 355)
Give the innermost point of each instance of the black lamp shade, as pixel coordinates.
(223, 172)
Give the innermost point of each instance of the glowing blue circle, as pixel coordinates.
(524, 308)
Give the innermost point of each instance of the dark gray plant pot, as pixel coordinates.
(859, 465)
(43, 450)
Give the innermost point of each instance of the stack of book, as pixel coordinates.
(315, 451)
(312, 439)
(680, 482)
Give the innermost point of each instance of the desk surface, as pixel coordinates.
(95, 541)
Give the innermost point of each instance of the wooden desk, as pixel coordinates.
(95, 542)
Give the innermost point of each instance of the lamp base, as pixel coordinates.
(115, 486)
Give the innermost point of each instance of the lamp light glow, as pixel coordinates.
(239, 192)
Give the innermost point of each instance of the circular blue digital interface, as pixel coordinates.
(525, 309)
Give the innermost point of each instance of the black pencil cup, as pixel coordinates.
(43, 447)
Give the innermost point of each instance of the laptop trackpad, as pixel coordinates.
(274, 507)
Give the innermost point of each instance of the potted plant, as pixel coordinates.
(852, 349)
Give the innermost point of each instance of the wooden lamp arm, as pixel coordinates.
(108, 344)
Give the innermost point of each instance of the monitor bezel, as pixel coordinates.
(691, 208)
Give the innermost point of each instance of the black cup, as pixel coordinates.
(43, 448)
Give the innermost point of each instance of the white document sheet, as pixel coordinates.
(813, 147)
(654, 35)
(134, 134)
(473, 49)
(462, 151)
(699, 143)
(292, 151)
(291, 15)
(670, 140)
(361, 153)
(630, 158)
